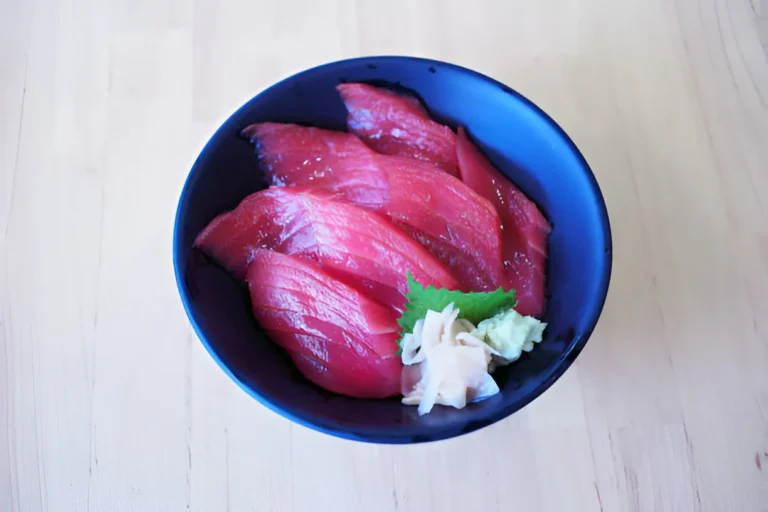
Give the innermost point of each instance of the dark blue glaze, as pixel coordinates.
(520, 139)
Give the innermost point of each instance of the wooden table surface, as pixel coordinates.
(108, 402)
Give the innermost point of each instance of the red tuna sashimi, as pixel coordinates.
(525, 230)
(340, 339)
(292, 145)
(354, 245)
(397, 124)
(456, 225)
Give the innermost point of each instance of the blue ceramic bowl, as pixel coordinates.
(523, 142)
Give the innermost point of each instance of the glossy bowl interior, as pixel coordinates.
(523, 142)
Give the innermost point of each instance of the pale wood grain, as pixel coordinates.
(108, 401)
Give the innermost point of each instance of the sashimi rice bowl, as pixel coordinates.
(392, 249)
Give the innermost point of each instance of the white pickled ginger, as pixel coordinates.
(445, 363)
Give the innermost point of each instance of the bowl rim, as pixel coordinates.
(564, 361)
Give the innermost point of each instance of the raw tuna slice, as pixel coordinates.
(340, 339)
(354, 245)
(295, 145)
(396, 124)
(525, 230)
(456, 225)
